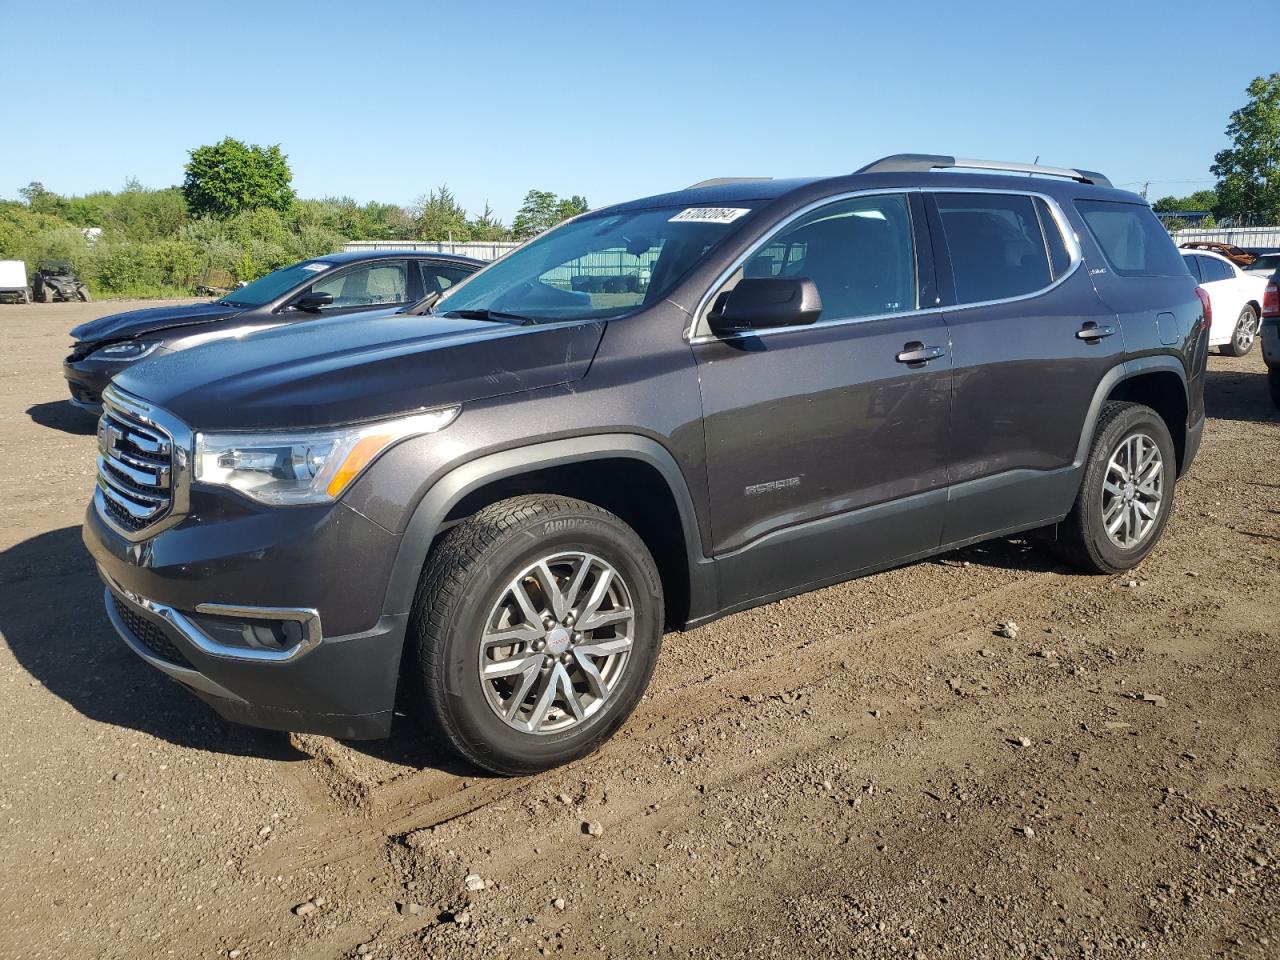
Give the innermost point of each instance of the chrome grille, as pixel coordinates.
(135, 470)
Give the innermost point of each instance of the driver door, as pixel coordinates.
(827, 444)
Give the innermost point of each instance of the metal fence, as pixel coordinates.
(1240, 236)
(481, 250)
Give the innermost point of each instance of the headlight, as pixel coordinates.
(129, 350)
(304, 467)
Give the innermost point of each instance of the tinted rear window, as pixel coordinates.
(1211, 269)
(1131, 239)
(997, 249)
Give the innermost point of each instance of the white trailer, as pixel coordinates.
(13, 281)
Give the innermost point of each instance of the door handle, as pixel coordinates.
(1092, 333)
(916, 354)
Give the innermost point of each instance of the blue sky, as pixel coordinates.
(386, 100)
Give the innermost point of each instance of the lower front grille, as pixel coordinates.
(149, 634)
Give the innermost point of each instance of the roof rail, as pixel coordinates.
(720, 181)
(924, 162)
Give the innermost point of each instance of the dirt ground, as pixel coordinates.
(870, 770)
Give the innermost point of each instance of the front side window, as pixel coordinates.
(1131, 238)
(597, 266)
(996, 245)
(859, 253)
(379, 283)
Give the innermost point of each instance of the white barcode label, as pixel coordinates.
(709, 215)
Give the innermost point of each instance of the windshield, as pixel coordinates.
(596, 267)
(265, 289)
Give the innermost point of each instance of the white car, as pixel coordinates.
(1235, 298)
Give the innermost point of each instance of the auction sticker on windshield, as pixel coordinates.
(709, 215)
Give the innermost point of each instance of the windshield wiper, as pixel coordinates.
(497, 316)
(424, 305)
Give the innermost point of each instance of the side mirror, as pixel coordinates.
(759, 302)
(312, 302)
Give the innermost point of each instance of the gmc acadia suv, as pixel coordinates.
(653, 415)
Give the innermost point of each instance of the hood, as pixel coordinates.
(344, 369)
(120, 326)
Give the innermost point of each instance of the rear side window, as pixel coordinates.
(1192, 266)
(996, 246)
(1131, 239)
(437, 277)
(1059, 258)
(1211, 269)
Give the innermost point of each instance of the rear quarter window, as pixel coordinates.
(1131, 239)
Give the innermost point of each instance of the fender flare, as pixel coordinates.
(446, 492)
(1121, 372)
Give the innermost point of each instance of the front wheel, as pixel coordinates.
(537, 626)
(83, 294)
(1127, 491)
(1244, 335)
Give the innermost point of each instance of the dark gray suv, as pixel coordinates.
(652, 415)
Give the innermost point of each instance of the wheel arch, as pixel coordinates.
(632, 476)
(1159, 382)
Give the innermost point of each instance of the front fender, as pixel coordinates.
(429, 515)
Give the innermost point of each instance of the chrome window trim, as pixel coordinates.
(1069, 237)
(115, 401)
(308, 617)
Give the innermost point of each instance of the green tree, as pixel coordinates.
(571, 207)
(439, 216)
(1248, 171)
(225, 178)
(542, 210)
(487, 226)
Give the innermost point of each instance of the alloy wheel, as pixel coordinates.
(556, 642)
(1133, 491)
(1244, 334)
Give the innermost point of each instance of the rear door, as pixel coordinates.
(1030, 342)
(1226, 294)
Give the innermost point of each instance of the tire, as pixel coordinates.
(468, 590)
(46, 294)
(1244, 335)
(1273, 384)
(1083, 540)
(83, 294)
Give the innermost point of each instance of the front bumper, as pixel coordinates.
(86, 380)
(177, 598)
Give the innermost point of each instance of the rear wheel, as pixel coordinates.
(1244, 335)
(537, 626)
(1127, 492)
(83, 294)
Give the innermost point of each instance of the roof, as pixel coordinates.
(728, 190)
(352, 256)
